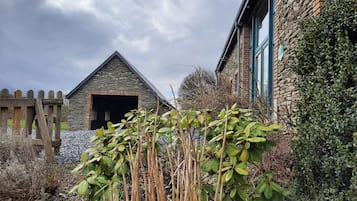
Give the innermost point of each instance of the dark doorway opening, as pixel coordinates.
(111, 108)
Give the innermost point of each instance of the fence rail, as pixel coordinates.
(45, 113)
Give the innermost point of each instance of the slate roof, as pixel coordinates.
(146, 82)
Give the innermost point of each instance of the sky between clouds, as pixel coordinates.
(55, 44)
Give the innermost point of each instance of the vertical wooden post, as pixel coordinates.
(58, 123)
(47, 144)
(3, 113)
(16, 117)
(41, 95)
(30, 115)
(51, 96)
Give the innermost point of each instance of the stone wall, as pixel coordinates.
(288, 13)
(229, 73)
(113, 79)
(244, 70)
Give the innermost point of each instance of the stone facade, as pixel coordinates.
(287, 14)
(114, 77)
(230, 73)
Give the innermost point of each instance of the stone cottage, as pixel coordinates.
(258, 52)
(110, 91)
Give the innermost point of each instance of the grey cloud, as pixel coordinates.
(43, 47)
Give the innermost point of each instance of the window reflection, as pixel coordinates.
(265, 72)
(262, 25)
(261, 51)
(259, 73)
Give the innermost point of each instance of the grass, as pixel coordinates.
(64, 125)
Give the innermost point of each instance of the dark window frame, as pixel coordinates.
(258, 50)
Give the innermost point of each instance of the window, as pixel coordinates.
(261, 81)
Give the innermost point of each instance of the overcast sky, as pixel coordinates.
(55, 44)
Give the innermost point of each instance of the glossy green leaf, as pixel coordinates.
(244, 155)
(226, 168)
(243, 195)
(248, 127)
(233, 160)
(233, 192)
(100, 132)
(276, 187)
(102, 179)
(247, 145)
(268, 192)
(212, 164)
(107, 161)
(164, 130)
(256, 139)
(84, 157)
(241, 171)
(232, 149)
(229, 175)
(91, 179)
(275, 126)
(261, 187)
(83, 188)
(217, 138)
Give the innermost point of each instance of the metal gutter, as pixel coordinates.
(236, 24)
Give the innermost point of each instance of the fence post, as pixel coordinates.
(41, 95)
(17, 115)
(51, 97)
(58, 122)
(30, 115)
(3, 113)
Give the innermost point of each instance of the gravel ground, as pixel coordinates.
(73, 145)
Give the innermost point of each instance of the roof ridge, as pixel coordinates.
(131, 67)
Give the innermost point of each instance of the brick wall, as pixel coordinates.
(113, 79)
(244, 70)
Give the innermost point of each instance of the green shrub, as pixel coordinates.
(197, 156)
(325, 157)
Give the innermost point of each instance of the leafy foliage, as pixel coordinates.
(235, 141)
(327, 110)
(217, 153)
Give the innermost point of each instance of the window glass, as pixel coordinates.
(265, 72)
(259, 73)
(262, 25)
(261, 69)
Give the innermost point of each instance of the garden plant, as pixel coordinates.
(179, 155)
(324, 150)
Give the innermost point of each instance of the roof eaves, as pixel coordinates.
(132, 68)
(145, 80)
(71, 93)
(233, 33)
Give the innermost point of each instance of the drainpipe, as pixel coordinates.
(238, 28)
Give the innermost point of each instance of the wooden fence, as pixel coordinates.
(44, 113)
